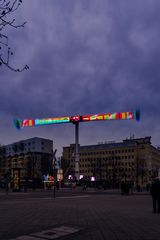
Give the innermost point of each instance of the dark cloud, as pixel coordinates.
(85, 57)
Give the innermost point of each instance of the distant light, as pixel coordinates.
(93, 179)
(81, 176)
(46, 177)
(70, 177)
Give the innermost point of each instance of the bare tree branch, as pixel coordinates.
(7, 8)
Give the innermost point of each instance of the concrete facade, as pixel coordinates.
(134, 160)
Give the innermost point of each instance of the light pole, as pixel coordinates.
(137, 167)
(54, 171)
(77, 151)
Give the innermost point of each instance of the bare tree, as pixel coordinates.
(7, 9)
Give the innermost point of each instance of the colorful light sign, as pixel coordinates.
(47, 121)
(73, 119)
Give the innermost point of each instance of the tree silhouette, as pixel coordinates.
(7, 8)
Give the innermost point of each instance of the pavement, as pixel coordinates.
(77, 215)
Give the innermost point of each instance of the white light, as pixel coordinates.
(70, 177)
(92, 179)
(81, 176)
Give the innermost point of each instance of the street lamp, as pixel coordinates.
(54, 171)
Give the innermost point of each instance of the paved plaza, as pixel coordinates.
(78, 216)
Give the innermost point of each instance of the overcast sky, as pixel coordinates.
(85, 57)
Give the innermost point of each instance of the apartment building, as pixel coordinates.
(32, 157)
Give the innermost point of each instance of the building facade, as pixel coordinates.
(132, 160)
(32, 157)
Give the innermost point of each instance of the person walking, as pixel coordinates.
(155, 192)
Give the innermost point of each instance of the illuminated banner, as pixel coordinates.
(73, 119)
(111, 116)
(46, 121)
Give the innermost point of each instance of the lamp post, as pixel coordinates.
(137, 167)
(54, 171)
(77, 174)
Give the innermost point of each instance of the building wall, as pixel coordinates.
(30, 145)
(134, 160)
(32, 156)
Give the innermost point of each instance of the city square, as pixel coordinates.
(79, 120)
(87, 215)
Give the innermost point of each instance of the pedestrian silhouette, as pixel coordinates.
(125, 187)
(155, 192)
